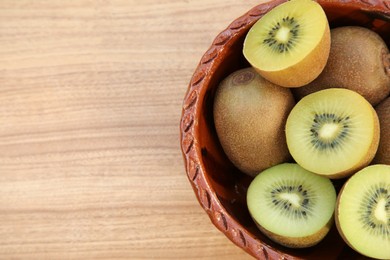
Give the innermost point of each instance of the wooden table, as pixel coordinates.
(90, 105)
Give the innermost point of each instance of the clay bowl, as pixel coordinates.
(218, 185)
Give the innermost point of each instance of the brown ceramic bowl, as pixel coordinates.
(218, 185)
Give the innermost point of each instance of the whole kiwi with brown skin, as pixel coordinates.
(383, 154)
(359, 60)
(249, 116)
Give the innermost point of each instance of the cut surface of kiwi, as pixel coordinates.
(333, 132)
(358, 60)
(289, 45)
(291, 205)
(363, 211)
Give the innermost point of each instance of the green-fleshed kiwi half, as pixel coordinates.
(333, 132)
(363, 211)
(289, 45)
(292, 206)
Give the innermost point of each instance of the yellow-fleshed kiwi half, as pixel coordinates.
(249, 115)
(289, 45)
(333, 132)
(359, 60)
(383, 154)
(363, 211)
(292, 206)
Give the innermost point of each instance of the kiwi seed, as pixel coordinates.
(330, 119)
(300, 209)
(372, 198)
(280, 43)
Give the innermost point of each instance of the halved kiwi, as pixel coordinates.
(291, 205)
(289, 45)
(333, 132)
(363, 211)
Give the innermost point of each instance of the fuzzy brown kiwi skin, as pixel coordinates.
(383, 154)
(358, 60)
(306, 70)
(251, 132)
(298, 242)
(365, 161)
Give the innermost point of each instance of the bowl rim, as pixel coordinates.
(189, 128)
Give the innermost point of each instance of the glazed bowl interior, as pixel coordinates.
(219, 186)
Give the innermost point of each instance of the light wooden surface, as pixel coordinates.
(90, 104)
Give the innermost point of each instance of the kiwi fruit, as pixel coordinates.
(383, 154)
(249, 116)
(292, 206)
(363, 211)
(333, 132)
(359, 60)
(290, 44)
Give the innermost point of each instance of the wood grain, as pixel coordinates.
(90, 105)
